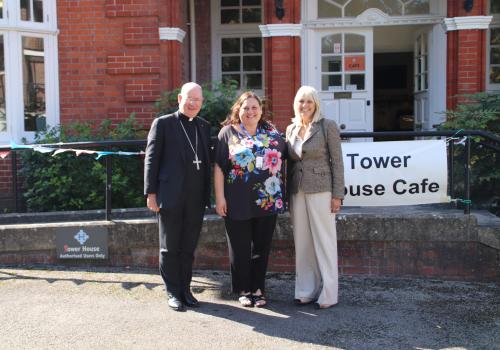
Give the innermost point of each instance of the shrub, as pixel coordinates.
(67, 182)
(480, 112)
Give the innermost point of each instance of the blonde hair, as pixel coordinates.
(307, 92)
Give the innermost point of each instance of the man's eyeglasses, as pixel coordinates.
(194, 100)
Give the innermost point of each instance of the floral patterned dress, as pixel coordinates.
(252, 167)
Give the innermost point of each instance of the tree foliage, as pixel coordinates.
(479, 112)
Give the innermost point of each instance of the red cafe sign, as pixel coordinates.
(354, 63)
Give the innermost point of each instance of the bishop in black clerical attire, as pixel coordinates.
(177, 185)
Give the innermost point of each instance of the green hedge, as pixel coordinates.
(68, 182)
(480, 112)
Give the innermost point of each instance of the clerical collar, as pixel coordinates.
(185, 116)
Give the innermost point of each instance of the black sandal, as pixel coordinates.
(259, 300)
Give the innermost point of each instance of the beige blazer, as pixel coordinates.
(312, 171)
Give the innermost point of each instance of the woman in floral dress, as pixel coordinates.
(249, 193)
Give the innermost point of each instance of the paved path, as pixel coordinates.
(124, 309)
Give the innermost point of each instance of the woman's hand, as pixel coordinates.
(220, 199)
(221, 206)
(336, 204)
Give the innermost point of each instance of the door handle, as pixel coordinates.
(342, 126)
(368, 102)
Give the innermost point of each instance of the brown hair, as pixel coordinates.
(233, 116)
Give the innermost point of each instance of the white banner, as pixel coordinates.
(395, 173)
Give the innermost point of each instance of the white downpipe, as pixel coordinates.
(192, 40)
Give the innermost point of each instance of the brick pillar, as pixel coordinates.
(466, 70)
(173, 15)
(282, 64)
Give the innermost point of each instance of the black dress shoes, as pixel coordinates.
(175, 303)
(190, 300)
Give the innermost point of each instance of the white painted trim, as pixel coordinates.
(5, 28)
(309, 13)
(52, 103)
(468, 22)
(437, 75)
(287, 29)
(172, 33)
(192, 39)
(372, 21)
(306, 56)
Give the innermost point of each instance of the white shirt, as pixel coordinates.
(297, 145)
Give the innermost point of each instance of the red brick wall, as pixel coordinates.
(282, 55)
(448, 260)
(111, 60)
(203, 41)
(464, 260)
(97, 55)
(131, 8)
(466, 62)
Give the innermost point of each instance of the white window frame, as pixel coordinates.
(244, 30)
(371, 17)
(13, 29)
(240, 9)
(494, 24)
(401, 2)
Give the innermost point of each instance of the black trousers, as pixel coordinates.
(249, 244)
(179, 232)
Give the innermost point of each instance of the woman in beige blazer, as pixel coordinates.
(316, 186)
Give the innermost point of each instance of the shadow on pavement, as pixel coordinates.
(277, 320)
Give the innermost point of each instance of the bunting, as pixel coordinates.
(56, 151)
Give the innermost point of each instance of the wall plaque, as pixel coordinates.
(82, 242)
(341, 95)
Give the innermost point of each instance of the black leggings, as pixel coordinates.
(249, 244)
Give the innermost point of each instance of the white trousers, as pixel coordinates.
(315, 237)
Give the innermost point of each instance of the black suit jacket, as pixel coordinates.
(165, 161)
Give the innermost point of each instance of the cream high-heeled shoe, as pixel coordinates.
(324, 306)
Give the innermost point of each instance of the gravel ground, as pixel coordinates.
(98, 308)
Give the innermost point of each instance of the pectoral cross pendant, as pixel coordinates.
(197, 162)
